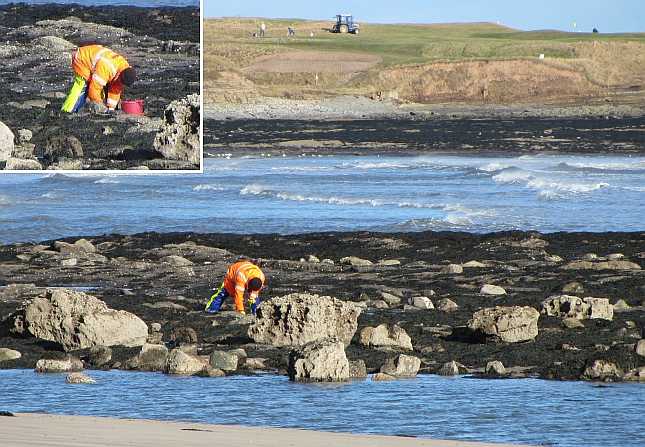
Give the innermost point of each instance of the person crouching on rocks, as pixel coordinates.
(100, 76)
(244, 279)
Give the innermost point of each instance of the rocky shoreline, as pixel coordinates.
(459, 135)
(565, 306)
(162, 43)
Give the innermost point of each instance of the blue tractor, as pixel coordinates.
(345, 24)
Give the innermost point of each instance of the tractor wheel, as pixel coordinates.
(344, 29)
(356, 32)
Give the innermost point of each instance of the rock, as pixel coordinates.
(22, 164)
(72, 262)
(152, 357)
(495, 368)
(489, 289)
(402, 366)
(386, 336)
(9, 354)
(300, 318)
(621, 306)
(166, 305)
(155, 327)
(313, 259)
(590, 257)
(449, 369)
(85, 245)
(388, 262)
(181, 363)
(605, 265)
(54, 44)
(580, 308)
(223, 360)
(573, 287)
(319, 361)
(640, 348)
(6, 142)
(178, 137)
(380, 377)
(255, 363)
(422, 302)
(474, 265)
(177, 261)
(79, 378)
(67, 364)
(553, 258)
(60, 147)
(99, 356)
(327, 261)
(572, 323)
(453, 269)
(447, 305)
(615, 257)
(380, 304)
(391, 299)
(602, 370)
(24, 136)
(635, 375)
(356, 262)
(357, 369)
(76, 320)
(183, 336)
(509, 324)
(209, 371)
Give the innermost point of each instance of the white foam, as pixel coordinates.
(564, 186)
(208, 187)
(512, 176)
(107, 180)
(494, 167)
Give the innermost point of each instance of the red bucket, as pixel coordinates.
(134, 107)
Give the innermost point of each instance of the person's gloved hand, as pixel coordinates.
(97, 108)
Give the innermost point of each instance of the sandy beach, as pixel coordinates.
(25, 430)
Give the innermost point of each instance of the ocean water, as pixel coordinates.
(309, 194)
(142, 3)
(528, 411)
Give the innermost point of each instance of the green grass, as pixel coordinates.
(416, 44)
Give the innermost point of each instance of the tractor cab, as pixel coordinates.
(345, 24)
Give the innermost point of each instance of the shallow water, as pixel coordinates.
(335, 193)
(527, 411)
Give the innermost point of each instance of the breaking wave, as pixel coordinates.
(208, 187)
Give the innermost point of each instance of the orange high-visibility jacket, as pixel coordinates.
(237, 276)
(100, 66)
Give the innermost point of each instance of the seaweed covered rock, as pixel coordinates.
(76, 320)
(508, 324)
(566, 306)
(319, 361)
(301, 318)
(178, 138)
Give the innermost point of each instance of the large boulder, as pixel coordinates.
(402, 366)
(319, 361)
(182, 363)
(386, 336)
(67, 364)
(152, 357)
(602, 370)
(76, 320)
(22, 164)
(7, 354)
(508, 324)
(567, 306)
(6, 142)
(300, 318)
(226, 361)
(178, 138)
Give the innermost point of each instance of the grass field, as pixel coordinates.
(602, 61)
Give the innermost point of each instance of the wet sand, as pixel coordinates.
(30, 430)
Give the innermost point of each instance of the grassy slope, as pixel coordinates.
(605, 59)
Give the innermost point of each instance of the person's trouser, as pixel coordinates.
(217, 299)
(215, 302)
(77, 96)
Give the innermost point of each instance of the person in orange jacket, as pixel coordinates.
(100, 76)
(243, 279)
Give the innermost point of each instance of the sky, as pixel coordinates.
(610, 16)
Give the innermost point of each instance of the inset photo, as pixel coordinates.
(94, 85)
